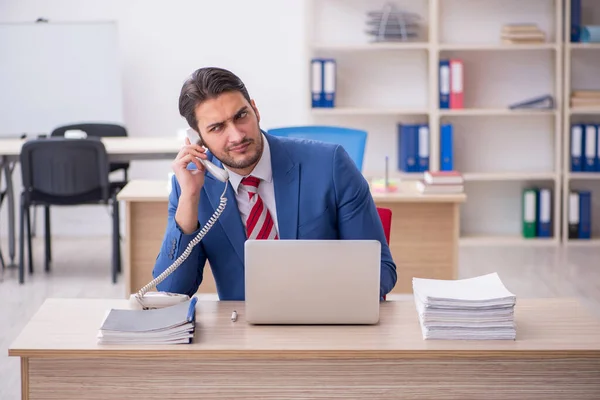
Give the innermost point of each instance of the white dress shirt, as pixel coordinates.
(266, 191)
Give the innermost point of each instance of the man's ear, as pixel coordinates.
(253, 104)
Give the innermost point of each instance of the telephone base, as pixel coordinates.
(156, 300)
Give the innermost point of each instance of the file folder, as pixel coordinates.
(423, 145)
(590, 148)
(573, 215)
(446, 148)
(444, 84)
(597, 148)
(544, 213)
(408, 141)
(576, 148)
(457, 84)
(585, 215)
(317, 94)
(329, 82)
(529, 213)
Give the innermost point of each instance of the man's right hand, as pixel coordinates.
(190, 182)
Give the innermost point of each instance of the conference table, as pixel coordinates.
(556, 355)
(424, 237)
(119, 149)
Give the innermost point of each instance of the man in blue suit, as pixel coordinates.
(279, 188)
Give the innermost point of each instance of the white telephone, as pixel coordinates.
(143, 299)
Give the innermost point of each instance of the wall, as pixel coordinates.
(160, 43)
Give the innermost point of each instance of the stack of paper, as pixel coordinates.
(169, 325)
(475, 308)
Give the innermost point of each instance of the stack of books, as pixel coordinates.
(466, 309)
(442, 182)
(522, 34)
(585, 99)
(169, 325)
(391, 24)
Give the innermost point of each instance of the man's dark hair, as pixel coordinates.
(204, 84)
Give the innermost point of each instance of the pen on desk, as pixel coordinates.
(234, 316)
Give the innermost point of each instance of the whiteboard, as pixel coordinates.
(54, 74)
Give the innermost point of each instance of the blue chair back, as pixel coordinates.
(352, 140)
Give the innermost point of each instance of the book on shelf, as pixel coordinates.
(537, 213)
(478, 308)
(585, 147)
(585, 99)
(441, 182)
(169, 325)
(451, 84)
(580, 214)
(522, 34)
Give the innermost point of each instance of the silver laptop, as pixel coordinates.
(312, 281)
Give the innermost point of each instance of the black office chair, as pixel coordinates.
(99, 130)
(92, 130)
(63, 172)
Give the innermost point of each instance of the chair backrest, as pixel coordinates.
(65, 171)
(93, 130)
(385, 214)
(352, 140)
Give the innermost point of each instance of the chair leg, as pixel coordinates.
(22, 241)
(116, 251)
(34, 223)
(47, 238)
(29, 249)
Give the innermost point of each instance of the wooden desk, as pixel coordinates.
(423, 240)
(556, 356)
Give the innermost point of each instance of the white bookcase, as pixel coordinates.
(582, 71)
(499, 151)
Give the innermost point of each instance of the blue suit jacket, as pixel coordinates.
(319, 193)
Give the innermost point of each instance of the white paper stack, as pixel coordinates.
(474, 308)
(169, 325)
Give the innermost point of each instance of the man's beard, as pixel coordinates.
(231, 163)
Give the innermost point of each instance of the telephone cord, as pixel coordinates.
(188, 249)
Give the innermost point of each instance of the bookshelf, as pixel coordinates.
(499, 151)
(581, 69)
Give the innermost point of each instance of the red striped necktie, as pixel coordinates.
(259, 224)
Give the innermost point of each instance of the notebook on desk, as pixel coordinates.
(168, 325)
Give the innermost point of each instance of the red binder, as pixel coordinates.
(456, 84)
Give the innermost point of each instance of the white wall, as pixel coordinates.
(160, 43)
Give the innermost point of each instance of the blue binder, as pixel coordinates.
(444, 83)
(585, 214)
(316, 87)
(590, 149)
(329, 82)
(544, 211)
(598, 148)
(446, 148)
(575, 21)
(576, 147)
(408, 140)
(423, 148)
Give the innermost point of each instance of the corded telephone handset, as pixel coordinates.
(143, 299)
